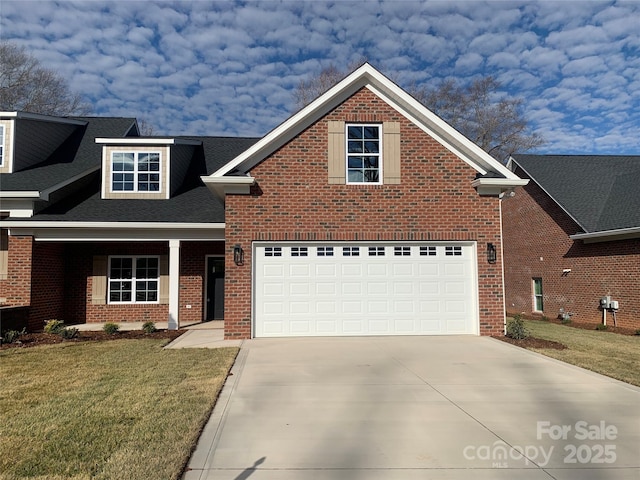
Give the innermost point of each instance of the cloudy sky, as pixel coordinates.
(230, 67)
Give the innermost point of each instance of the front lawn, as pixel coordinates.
(123, 409)
(611, 354)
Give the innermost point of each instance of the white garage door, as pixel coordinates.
(310, 289)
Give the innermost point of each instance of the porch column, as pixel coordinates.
(174, 284)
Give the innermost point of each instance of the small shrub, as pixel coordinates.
(111, 328)
(516, 328)
(638, 332)
(53, 326)
(69, 333)
(545, 318)
(149, 327)
(601, 327)
(12, 336)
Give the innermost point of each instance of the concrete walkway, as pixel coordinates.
(415, 408)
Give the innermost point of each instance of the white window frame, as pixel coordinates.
(536, 296)
(136, 173)
(363, 154)
(2, 145)
(133, 279)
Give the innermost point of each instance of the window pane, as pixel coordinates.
(537, 285)
(122, 161)
(354, 131)
(356, 176)
(355, 147)
(371, 176)
(371, 132)
(355, 162)
(371, 147)
(370, 162)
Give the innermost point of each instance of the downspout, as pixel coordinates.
(504, 298)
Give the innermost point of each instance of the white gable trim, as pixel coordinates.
(367, 76)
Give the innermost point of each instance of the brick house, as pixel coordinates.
(572, 237)
(362, 214)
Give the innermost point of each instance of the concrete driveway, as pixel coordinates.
(415, 408)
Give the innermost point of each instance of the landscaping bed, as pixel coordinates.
(614, 352)
(531, 342)
(38, 339)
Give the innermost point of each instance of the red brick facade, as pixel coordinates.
(537, 245)
(55, 281)
(292, 200)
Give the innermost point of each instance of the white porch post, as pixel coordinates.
(174, 284)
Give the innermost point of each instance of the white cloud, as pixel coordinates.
(230, 67)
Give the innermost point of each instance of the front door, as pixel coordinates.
(215, 289)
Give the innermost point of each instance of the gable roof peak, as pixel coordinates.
(369, 77)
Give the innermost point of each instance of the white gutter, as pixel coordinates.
(497, 186)
(221, 186)
(607, 235)
(21, 194)
(146, 141)
(112, 225)
(41, 118)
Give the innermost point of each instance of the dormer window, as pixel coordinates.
(135, 168)
(135, 171)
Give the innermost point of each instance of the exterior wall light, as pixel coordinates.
(238, 255)
(492, 255)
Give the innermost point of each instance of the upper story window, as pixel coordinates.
(364, 153)
(135, 171)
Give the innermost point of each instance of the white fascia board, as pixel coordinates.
(367, 76)
(105, 231)
(112, 225)
(134, 141)
(220, 186)
(607, 235)
(444, 133)
(21, 194)
(41, 118)
(300, 120)
(500, 182)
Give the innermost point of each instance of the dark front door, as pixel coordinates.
(215, 288)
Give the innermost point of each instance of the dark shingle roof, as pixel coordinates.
(192, 203)
(599, 191)
(78, 154)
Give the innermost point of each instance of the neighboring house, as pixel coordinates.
(572, 237)
(362, 214)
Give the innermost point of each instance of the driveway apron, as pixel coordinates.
(415, 408)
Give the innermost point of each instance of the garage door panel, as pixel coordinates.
(305, 290)
(299, 270)
(380, 270)
(325, 288)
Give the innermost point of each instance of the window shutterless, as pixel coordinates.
(135, 172)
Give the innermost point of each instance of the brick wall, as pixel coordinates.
(294, 201)
(47, 284)
(537, 244)
(79, 267)
(16, 288)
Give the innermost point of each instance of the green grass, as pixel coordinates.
(123, 409)
(611, 354)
